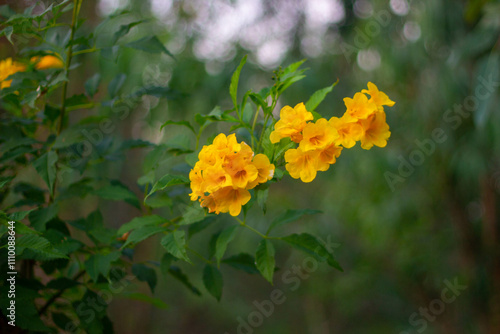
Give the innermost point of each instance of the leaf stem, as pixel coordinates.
(242, 223)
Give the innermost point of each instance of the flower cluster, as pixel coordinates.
(226, 170)
(9, 67)
(321, 142)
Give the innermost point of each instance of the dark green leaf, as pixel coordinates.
(156, 302)
(143, 233)
(312, 246)
(115, 84)
(149, 44)
(117, 193)
(40, 217)
(184, 123)
(140, 222)
(145, 274)
(179, 275)
(92, 84)
(100, 264)
(46, 168)
(242, 261)
(290, 216)
(212, 278)
(124, 29)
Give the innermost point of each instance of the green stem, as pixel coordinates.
(199, 255)
(69, 55)
(242, 223)
(253, 127)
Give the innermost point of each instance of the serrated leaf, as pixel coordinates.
(264, 259)
(242, 261)
(309, 244)
(233, 87)
(289, 216)
(183, 123)
(140, 222)
(100, 264)
(319, 96)
(92, 84)
(46, 168)
(40, 247)
(175, 244)
(143, 233)
(145, 274)
(40, 217)
(212, 279)
(223, 240)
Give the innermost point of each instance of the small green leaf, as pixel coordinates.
(40, 217)
(115, 84)
(233, 87)
(319, 96)
(46, 168)
(140, 222)
(7, 31)
(117, 193)
(179, 275)
(223, 240)
(183, 123)
(92, 84)
(242, 261)
(309, 244)
(124, 29)
(264, 258)
(156, 302)
(175, 244)
(167, 181)
(212, 278)
(149, 44)
(290, 216)
(142, 233)
(100, 264)
(261, 195)
(145, 274)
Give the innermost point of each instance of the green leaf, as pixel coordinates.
(77, 100)
(167, 181)
(156, 302)
(242, 261)
(41, 248)
(290, 216)
(175, 244)
(319, 96)
(261, 195)
(124, 29)
(7, 32)
(100, 264)
(179, 275)
(92, 84)
(140, 222)
(149, 44)
(291, 69)
(212, 278)
(46, 168)
(115, 84)
(5, 180)
(68, 137)
(184, 123)
(222, 241)
(145, 274)
(117, 193)
(40, 217)
(143, 233)
(61, 283)
(309, 244)
(264, 258)
(200, 225)
(233, 87)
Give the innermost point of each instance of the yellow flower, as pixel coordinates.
(265, 170)
(328, 156)
(379, 98)
(225, 171)
(46, 62)
(376, 131)
(291, 123)
(348, 129)
(359, 107)
(7, 68)
(302, 164)
(231, 200)
(318, 135)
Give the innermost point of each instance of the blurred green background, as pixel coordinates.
(407, 221)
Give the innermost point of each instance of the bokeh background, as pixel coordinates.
(404, 220)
